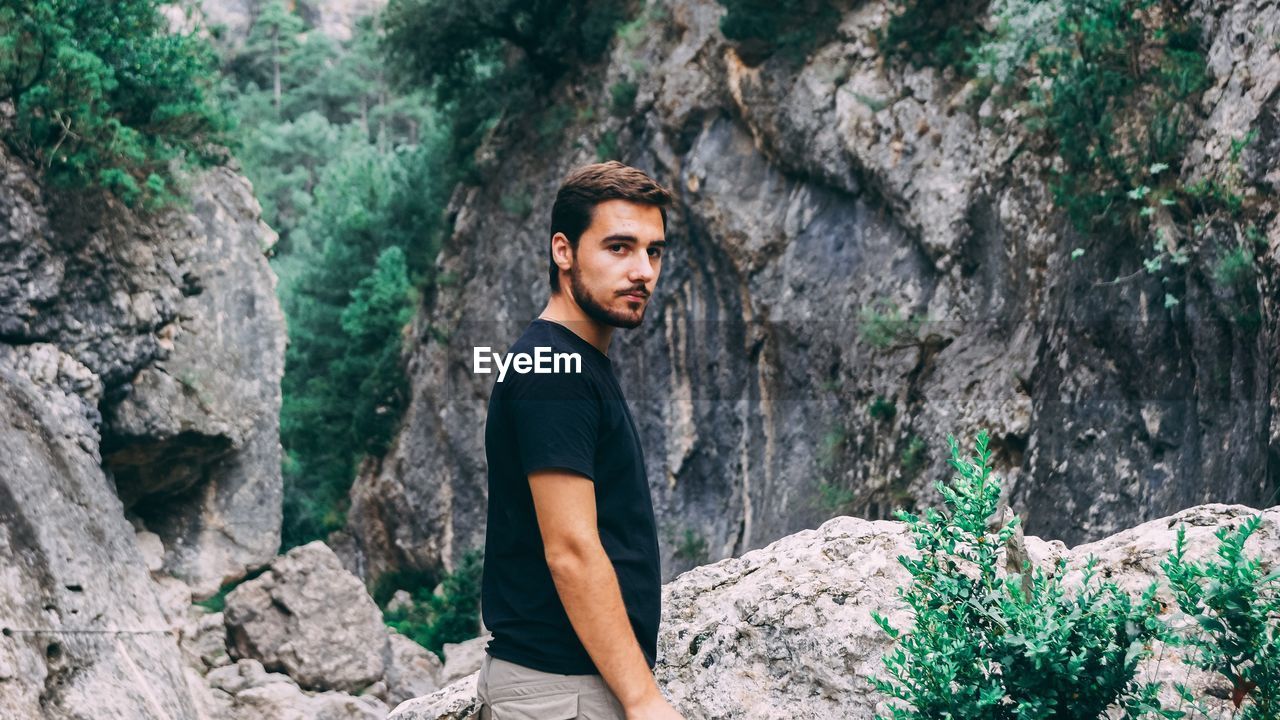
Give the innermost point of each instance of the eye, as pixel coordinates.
(655, 252)
(616, 246)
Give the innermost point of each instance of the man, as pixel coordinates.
(572, 584)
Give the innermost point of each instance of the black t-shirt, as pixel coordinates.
(577, 421)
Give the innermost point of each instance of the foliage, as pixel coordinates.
(882, 408)
(790, 28)
(883, 325)
(835, 498)
(479, 58)
(913, 454)
(983, 647)
(377, 225)
(451, 616)
(104, 95)
(692, 547)
(941, 33)
(622, 96)
(1237, 618)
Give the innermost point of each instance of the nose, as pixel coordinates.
(641, 271)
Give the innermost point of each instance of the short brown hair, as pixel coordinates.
(590, 184)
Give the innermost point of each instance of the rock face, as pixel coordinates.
(786, 631)
(140, 359)
(194, 440)
(82, 630)
(804, 194)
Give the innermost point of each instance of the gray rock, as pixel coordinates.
(457, 701)
(252, 693)
(463, 658)
(308, 617)
(786, 631)
(84, 634)
(410, 670)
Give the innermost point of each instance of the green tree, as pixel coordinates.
(480, 57)
(105, 95)
(272, 38)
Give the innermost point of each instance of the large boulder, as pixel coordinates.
(308, 617)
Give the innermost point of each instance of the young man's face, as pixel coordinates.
(616, 266)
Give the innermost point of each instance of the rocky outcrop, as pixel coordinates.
(786, 631)
(140, 358)
(805, 193)
(82, 633)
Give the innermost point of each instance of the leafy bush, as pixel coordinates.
(882, 408)
(692, 547)
(883, 325)
(941, 33)
(622, 96)
(1237, 619)
(986, 644)
(791, 28)
(453, 615)
(104, 95)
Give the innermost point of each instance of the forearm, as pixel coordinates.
(588, 589)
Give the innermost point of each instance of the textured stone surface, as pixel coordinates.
(463, 658)
(803, 194)
(410, 670)
(246, 691)
(310, 618)
(456, 701)
(193, 442)
(173, 322)
(84, 635)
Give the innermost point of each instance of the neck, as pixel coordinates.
(564, 309)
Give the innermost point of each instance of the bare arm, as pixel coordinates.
(565, 503)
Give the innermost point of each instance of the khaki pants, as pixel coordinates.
(515, 692)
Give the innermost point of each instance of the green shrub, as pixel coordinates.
(791, 28)
(692, 547)
(607, 147)
(940, 33)
(104, 95)
(882, 409)
(913, 454)
(622, 96)
(883, 325)
(984, 644)
(1236, 609)
(834, 498)
(452, 616)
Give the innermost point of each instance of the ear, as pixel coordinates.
(561, 251)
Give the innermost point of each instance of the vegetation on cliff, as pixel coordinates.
(103, 95)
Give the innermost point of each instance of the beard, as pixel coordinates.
(597, 311)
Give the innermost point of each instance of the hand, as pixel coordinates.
(653, 707)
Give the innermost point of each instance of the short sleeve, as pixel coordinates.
(556, 417)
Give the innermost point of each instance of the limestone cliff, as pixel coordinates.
(140, 361)
(805, 194)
